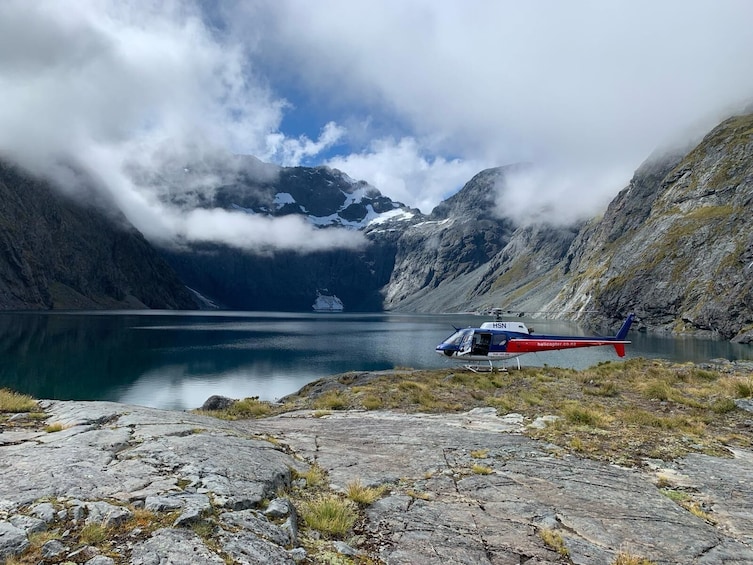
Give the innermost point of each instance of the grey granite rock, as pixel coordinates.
(442, 512)
(28, 524)
(174, 547)
(12, 540)
(112, 459)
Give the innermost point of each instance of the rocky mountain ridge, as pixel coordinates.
(675, 246)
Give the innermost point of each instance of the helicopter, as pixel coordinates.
(502, 340)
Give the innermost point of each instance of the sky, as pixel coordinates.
(413, 96)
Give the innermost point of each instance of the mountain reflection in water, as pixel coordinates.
(177, 360)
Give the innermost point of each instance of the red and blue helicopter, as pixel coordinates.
(502, 340)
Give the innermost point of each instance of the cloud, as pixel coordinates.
(414, 97)
(535, 195)
(581, 87)
(398, 168)
(291, 152)
(263, 233)
(171, 226)
(117, 87)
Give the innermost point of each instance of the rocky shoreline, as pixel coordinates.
(174, 487)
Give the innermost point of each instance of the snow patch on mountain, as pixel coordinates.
(398, 214)
(282, 198)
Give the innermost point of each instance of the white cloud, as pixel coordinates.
(432, 91)
(398, 168)
(261, 233)
(557, 196)
(584, 86)
(123, 86)
(290, 152)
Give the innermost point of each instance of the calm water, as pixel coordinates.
(178, 359)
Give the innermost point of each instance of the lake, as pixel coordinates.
(177, 360)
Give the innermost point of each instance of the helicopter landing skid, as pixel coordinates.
(488, 368)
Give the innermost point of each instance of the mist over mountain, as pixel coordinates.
(61, 253)
(675, 246)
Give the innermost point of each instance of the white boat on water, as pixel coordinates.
(327, 303)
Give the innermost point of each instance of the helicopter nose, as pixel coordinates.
(445, 349)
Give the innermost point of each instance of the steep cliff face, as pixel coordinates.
(526, 274)
(676, 246)
(446, 249)
(56, 253)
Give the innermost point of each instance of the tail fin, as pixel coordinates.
(622, 334)
(620, 349)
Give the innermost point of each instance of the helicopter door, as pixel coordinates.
(481, 342)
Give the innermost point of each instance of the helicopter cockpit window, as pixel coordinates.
(499, 339)
(457, 337)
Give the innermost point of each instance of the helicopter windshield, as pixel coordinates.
(457, 337)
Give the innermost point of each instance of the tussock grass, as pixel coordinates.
(364, 495)
(554, 541)
(314, 476)
(580, 415)
(13, 402)
(54, 427)
(244, 409)
(329, 514)
(740, 387)
(94, 534)
(332, 400)
(372, 402)
(624, 558)
(478, 469)
(149, 521)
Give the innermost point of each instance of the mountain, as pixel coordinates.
(439, 256)
(288, 280)
(676, 245)
(57, 253)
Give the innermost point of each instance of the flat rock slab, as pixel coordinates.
(109, 459)
(465, 488)
(444, 510)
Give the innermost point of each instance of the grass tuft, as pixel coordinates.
(14, 402)
(332, 400)
(624, 558)
(245, 409)
(314, 476)
(554, 541)
(94, 534)
(329, 514)
(584, 415)
(364, 495)
(478, 469)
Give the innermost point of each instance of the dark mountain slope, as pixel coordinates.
(287, 280)
(676, 246)
(56, 253)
